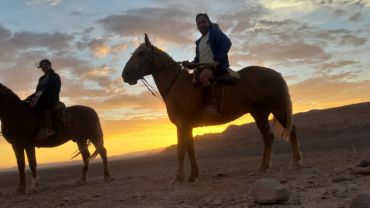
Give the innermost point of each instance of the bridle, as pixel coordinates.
(151, 88)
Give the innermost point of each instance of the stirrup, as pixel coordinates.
(210, 110)
(48, 131)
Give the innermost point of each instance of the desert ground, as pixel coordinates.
(228, 167)
(225, 181)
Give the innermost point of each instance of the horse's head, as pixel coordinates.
(8, 100)
(140, 63)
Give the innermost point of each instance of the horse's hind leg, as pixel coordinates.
(82, 146)
(30, 150)
(297, 156)
(261, 118)
(99, 145)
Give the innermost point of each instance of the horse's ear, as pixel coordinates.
(147, 41)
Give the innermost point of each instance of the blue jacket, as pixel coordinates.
(220, 45)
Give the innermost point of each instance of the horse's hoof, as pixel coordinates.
(34, 190)
(20, 191)
(178, 179)
(297, 165)
(80, 182)
(192, 179)
(35, 186)
(108, 179)
(262, 171)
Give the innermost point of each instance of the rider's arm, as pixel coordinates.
(224, 46)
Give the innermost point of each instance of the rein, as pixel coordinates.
(155, 92)
(151, 88)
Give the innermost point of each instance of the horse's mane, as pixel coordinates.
(7, 93)
(166, 55)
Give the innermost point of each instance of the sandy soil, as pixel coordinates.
(225, 182)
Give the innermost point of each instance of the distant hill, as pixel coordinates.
(340, 127)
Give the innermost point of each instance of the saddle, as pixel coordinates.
(229, 78)
(59, 113)
(55, 119)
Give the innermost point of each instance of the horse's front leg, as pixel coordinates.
(19, 154)
(194, 174)
(31, 155)
(181, 152)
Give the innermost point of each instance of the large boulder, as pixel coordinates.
(269, 191)
(361, 201)
(364, 163)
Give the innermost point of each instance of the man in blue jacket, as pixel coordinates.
(212, 49)
(46, 95)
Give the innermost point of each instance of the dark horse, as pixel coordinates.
(20, 125)
(260, 92)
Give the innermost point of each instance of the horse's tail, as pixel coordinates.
(283, 119)
(94, 154)
(77, 152)
(98, 138)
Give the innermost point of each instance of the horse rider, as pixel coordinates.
(46, 97)
(211, 48)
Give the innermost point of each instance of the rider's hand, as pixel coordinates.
(188, 64)
(215, 65)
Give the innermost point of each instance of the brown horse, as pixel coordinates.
(20, 125)
(260, 92)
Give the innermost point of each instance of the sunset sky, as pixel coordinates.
(321, 47)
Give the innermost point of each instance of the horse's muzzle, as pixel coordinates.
(133, 82)
(130, 82)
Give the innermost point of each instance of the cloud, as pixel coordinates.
(76, 13)
(329, 91)
(239, 22)
(263, 38)
(356, 17)
(82, 81)
(287, 52)
(144, 100)
(18, 75)
(330, 66)
(49, 2)
(4, 33)
(170, 24)
(99, 48)
(102, 48)
(312, 4)
(53, 41)
(352, 40)
(13, 44)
